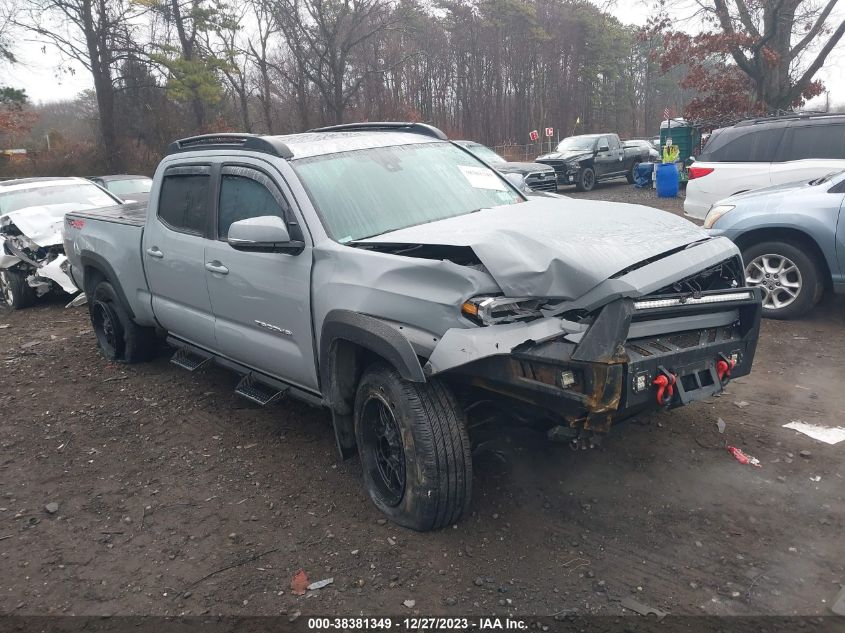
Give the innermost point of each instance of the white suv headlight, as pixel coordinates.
(715, 213)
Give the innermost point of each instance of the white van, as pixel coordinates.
(764, 152)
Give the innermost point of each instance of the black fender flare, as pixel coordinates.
(90, 259)
(344, 332)
(370, 333)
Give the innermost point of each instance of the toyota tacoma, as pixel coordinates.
(384, 272)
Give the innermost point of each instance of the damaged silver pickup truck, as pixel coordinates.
(388, 274)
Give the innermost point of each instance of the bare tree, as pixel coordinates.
(97, 34)
(8, 15)
(778, 45)
(259, 53)
(491, 70)
(764, 45)
(224, 43)
(327, 39)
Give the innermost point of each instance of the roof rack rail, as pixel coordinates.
(230, 140)
(807, 114)
(375, 126)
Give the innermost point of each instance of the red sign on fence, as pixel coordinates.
(550, 132)
(534, 135)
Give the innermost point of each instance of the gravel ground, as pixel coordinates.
(148, 490)
(619, 190)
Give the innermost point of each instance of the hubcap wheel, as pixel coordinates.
(7, 295)
(384, 444)
(589, 178)
(779, 278)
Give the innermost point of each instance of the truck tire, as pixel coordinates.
(586, 179)
(119, 338)
(790, 278)
(15, 293)
(631, 176)
(414, 449)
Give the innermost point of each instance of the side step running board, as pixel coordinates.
(190, 360)
(259, 392)
(254, 386)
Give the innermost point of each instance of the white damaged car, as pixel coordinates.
(32, 215)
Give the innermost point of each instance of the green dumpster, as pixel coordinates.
(686, 136)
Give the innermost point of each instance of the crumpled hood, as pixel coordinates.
(567, 156)
(555, 247)
(523, 168)
(42, 224)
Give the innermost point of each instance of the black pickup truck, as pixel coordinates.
(587, 159)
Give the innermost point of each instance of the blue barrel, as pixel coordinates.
(667, 180)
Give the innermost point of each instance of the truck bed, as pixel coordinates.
(112, 237)
(132, 213)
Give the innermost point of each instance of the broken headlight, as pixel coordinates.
(494, 310)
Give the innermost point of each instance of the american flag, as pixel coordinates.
(667, 114)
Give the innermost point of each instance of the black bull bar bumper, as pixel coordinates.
(664, 351)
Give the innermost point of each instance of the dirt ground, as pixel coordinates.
(174, 496)
(619, 190)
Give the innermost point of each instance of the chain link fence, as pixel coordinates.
(524, 153)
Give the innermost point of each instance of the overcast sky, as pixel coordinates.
(38, 72)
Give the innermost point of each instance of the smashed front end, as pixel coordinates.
(586, 368)
(602, 310)
(44, 264)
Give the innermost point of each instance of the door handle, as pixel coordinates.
(154, 252)
(216, 267)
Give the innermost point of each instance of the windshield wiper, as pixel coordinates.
(825, 178)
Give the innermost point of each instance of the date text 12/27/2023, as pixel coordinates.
(419, 623)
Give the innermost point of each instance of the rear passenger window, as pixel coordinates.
(815, 141)
(246, 193)
(754, 146)
(764, 145)
(183, 203)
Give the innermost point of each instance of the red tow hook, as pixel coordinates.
(665, 387)
(723, 369)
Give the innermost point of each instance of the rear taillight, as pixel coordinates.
(698, 172)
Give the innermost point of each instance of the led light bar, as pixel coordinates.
(649, 304)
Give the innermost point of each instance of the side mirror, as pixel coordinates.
(264, 234)
(517, 180)
(604, 148)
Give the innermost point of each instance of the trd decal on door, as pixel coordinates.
(274, 328)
